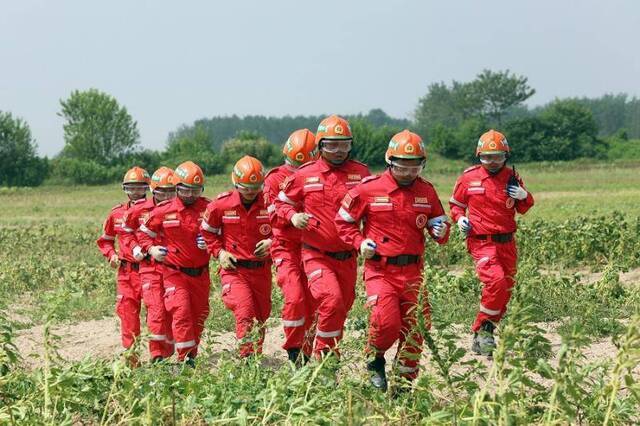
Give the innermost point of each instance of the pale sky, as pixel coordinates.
(171, 63)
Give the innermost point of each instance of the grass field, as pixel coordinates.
(569, 348)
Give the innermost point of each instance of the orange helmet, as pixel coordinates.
(248, 171)
(136, 175)
(407, 145)
(333, 127)
(163, 178)
(301, 147)
(189, 174)
(492, 142)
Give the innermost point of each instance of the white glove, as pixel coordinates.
(300, 220)
(262, 248)
(227, 260)
(464, 225)
(516, 192)
(138, 254)
(114, 261)
(158, 252)
(368, 248)
(439, 229)
(202, 245)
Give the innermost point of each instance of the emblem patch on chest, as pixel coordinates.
(421, 220)
(264, 229)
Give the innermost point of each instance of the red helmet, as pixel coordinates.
(492, 142)
(136, 175)
(163, 178)
(406, 145)
(189, 174)
(248, 171)
(301, 147)
(333, 127)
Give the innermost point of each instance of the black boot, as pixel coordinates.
(483, 341)
(294, 357)
(190, 361)
(157, 359)
(378, 377)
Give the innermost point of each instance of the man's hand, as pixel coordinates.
(202, 245)
(158, 253)
(227, 260)
(516, 192)
(368, 248)
(464, 225)
(262, 248)
(300, 220)
(439, 229)
(114, 261)
(138, 254)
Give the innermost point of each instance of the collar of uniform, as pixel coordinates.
(179, 204)
(237, 201)
(325, 166)
(486, 175)
(391, 182)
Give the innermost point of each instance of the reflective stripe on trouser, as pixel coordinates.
(247, 293)
(158, 321)
(496, 266)
(128, 306)
(395, 294)
(297, 308)
(186, 300)
(332, 285)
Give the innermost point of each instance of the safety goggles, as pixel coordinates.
(407, 170)
(162, 194)
(497, 157)
(245, 189)
(334, 146)
(135, 188)
(185, 191)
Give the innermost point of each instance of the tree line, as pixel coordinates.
(102, 139)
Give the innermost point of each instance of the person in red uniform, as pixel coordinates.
(183, 253)
(135, 185)
(310, 199)
(484, 203)
(397, 209)
(237, 231)
(297, 311)
(160, 341)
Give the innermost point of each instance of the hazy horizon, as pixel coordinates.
(171, 64)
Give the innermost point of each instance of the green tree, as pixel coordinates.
(195, 146)
(500, 91)
(370, 142)
(97, 128)
(19, 163)
(253, 145)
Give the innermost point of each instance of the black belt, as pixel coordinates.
(134, 266)
(250, 264)
(401, 260)
(338, 255)
(496, 238)
(192, 272)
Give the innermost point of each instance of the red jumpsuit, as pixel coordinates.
(158, 322)
(490, 241)
(246, 291)
(395, 218)
(317, 188)
(128, 291)
(297, 312)
(185, 273)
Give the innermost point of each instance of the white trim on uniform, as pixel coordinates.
(293, 323)
(157, 337)
(206, 227)
(184, 345)
(405, 369)
(328, 334)
(148, 231)
(283, 197)
(346, 216)
(107, 237)
(488, 311)
(457, 203)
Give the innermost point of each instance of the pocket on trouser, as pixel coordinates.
(225, 295)
(120, 305)
(169, 298)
